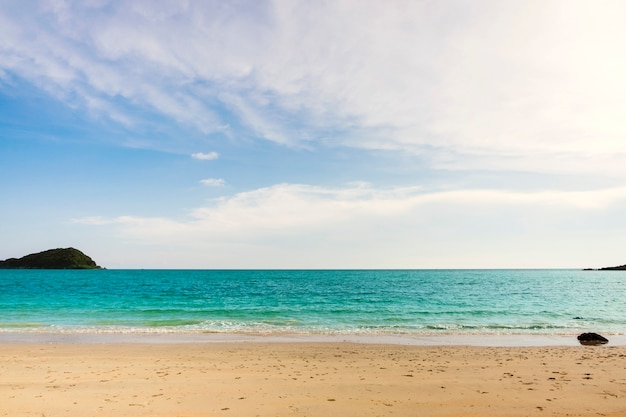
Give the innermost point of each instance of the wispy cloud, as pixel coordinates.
(205, 156)
(458, 82)
(398, 226)
(213, 182)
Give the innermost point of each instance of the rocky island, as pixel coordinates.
(614, 268)
(608, 268)
(67, 258)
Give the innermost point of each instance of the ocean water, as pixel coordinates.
(313, 302)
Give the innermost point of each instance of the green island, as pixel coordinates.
(61, 258)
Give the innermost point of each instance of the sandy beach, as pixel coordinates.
(309, 379)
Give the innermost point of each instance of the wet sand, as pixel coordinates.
(309, 379)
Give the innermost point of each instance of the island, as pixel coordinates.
(60, 258)
(608, 268)
(614, 268)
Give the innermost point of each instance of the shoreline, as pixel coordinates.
(310, 379)
(475, 340)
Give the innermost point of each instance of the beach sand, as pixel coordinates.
(309, 379)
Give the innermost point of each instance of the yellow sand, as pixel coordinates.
(309, 379)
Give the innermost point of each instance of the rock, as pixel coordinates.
(592, 339)
(68, 258)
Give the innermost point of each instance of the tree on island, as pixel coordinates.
(67, 258)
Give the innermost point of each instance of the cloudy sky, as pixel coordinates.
(315, 134)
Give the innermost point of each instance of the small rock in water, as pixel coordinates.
(592, 339)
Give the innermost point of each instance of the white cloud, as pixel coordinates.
(94, 220)
(213, 182)
(295, 225)
(205, 156)
(537, 84)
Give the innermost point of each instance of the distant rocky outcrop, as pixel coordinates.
(614, 268)
(68, 258)
(608, 268)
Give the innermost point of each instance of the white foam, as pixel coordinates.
(409, 340)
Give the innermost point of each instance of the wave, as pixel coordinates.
(269, 329)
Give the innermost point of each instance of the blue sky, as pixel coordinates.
(326, 134)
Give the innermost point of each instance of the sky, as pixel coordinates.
(315, 134)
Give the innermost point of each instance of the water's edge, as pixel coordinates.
(489, 340)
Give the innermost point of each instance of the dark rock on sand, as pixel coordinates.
(592, 339)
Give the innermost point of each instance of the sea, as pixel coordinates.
(344, 303)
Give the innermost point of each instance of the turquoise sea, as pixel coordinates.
(313, 302)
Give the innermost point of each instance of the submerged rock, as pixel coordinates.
(67, 258)
(592, 339)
